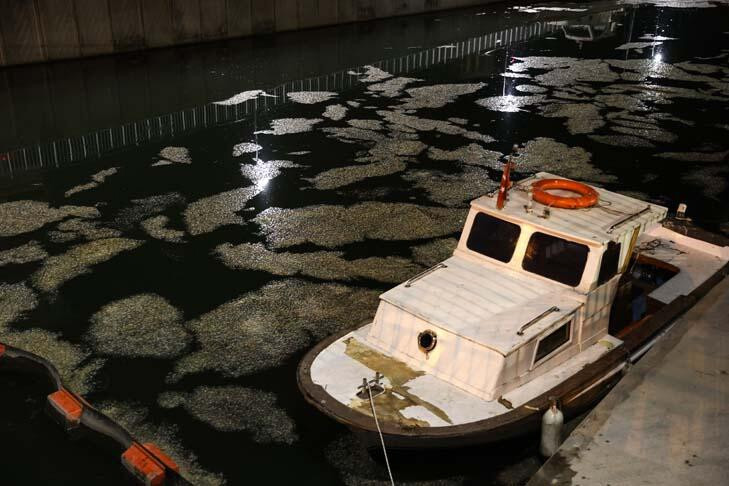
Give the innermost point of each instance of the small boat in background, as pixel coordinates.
(549, 296)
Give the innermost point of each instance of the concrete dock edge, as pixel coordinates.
(661, 423)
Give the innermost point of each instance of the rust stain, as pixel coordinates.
(388, 405)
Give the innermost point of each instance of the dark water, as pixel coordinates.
(176, 283)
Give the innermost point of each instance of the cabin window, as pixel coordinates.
(555, 258)
(552, 341)
(609, 265)
(493, 237)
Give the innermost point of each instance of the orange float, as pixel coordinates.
(588, 196)
(148, 464)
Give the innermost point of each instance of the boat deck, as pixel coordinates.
(696, 260)
(417, 399)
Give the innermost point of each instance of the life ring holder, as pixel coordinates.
(587, 198)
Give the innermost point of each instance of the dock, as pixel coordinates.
(666, 421)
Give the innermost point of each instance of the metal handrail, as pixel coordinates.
(628, 218)
(424, 273)
(541, 316)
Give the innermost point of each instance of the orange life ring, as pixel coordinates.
(588, 196)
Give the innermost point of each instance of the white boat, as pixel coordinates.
(535, 302)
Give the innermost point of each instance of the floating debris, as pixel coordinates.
(658, 69)
(162, 162)
(18, 217)
(621, 140)
(371, 74)
(392, 87)
(144, 325)
(310, 97)
(357, 469)
(711, 181)
(29, 252)
(366, 124)
(695, 156)
(58, 269)
(245, 148)
(75, 365)
(385, 149)
(656, 135)
(621, 101)
(262, 171)
(212, 212)
(325, 265)
(509, 103)
(156, 227)
(353, 104)
(458, 121)
(438, 95)
(353, 134)
(300, 152)
(581, 117)
(335, 112)
(146, 207)
(332, 226)
(243, 97)
(235, 338)
(15, 300)
(343, 176)
(75, 228)
(235, 408)
(701, 68)
(530, 88)
(96, 180)
(436, 251)
(398, 118)
(453, 190)
(546, 154)
(472, 154)
(136, 419)
(285, 126)
(179, 155)
(565, 71)
(639, 46)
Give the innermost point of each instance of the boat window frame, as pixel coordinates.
(569, 321)
(541, 232)
(615, 248)
(509, 223)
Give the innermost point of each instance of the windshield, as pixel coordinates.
(493, 237)
(555, 258)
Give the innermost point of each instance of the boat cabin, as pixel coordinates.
(527, 288)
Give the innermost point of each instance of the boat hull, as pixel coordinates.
(576, 394)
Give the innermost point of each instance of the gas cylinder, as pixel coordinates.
(552, 422)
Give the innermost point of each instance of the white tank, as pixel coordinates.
(552, 422)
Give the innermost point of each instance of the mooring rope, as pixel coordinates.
(382, 440)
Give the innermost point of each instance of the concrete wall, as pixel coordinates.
(45, 30)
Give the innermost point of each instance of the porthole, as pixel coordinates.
(427, 341)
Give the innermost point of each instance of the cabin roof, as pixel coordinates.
(483, 302)
(613, 216)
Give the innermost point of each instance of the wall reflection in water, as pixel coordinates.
(60, 113)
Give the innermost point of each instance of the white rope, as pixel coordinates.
(382, 440)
